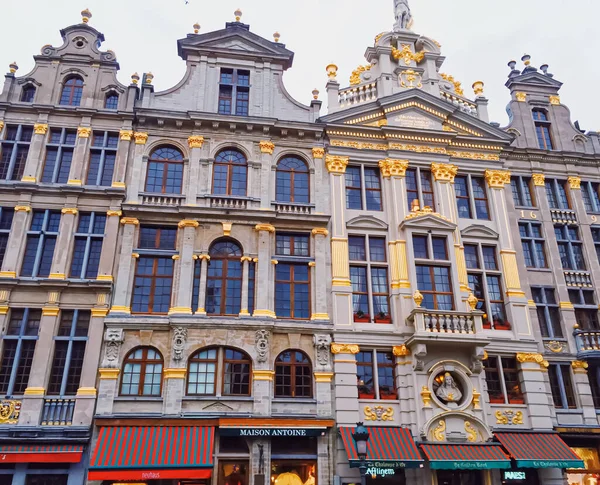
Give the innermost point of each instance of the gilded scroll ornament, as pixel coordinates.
(401, 350)
(410, 79)
(407, 55)
(140, 138)
(426, 211)
(393, 168)
(476, 399)
(521, 97)
(554, 100)
(9, 411)
(126, 135)
(555, 346)
(344, 348)
(539, 179)
(457, 84)
(40, 128)
(444, 172)
(336, 164)
(496, 179)
(508, 417)
(426, 396)
(84, 132)
(579, 365)
(355, 76)
(318, 152)
(532, 358)
(130, 220)
(378, 413)
(471, 432)
(188, 223)
(264, 227)
(439, 433)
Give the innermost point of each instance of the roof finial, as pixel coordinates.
(276, 36)
(238, 15)
(196, 27)
(86, 15)
(402, 15)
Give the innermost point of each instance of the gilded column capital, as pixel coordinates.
(195, 141)
(344, 348)
(126, 135)
(444, 172)
(140, 138)
(574, 182)
(264, 227)
(84, 132)
(579, 366)
(188, 223)
(401, 350)
(532, 358)
(40, 128)
(521, 97)
(539, 179)
(554, 100)
(22, 208)
(336, 164)
(246, 259)
(320, 231)
(317, 152)
(1, 125)
(113, 213)
(496, 179)
(69, 210)
(130, 220)
(393, 168)
(266, 147)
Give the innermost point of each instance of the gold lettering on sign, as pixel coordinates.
(531, 215)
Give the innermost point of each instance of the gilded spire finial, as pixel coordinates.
(196, 27)
(13, 67)
(86, 15)
(238, 15)
(276, 36)
(315, 93)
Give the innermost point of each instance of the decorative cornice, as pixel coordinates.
(130, 220)
(566, 304)
(264, 227)
(266, 147)
(40, 128)
(69, 210)
(393, 168)
(126, 135)
(444, 172)
(8, 274)
(579, 366)
(401, 350)
(264, 313)
(140, 138)
(84, 132)
(539, 179)
(28, 179)
(320, 231)
(120, 309)
(496, 179)
(50, 311)
(188, 223)
(318, 152)
(203, 257)
(195, 141)
(532, 359)
(574, 182)
(180, 310)
(319, 316)
(336, 164)
(57, 276)
(344, 348)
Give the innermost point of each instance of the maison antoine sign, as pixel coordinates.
(271, 432)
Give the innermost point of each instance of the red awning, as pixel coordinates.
(40, 453)
(539, 450)
(152, 453)
(472, 456)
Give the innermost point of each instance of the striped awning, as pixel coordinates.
(387, 446)
(480, 456)
(539, 450)
(152, 453)
(40, 453)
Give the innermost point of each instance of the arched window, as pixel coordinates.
(28, 93)
(142, 372)
(204, 378)
(230, 173)
(292, 181)
(224, 279)
(293, 374)
(72, 91)
(111, 101)
(165, 171)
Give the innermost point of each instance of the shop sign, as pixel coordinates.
(380, 472)
(272, 432)
(513, 475)
(383, 468)
(549, 464)
(468, 465)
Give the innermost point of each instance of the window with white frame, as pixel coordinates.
(561, 384)
(419, 188)
(363, 188)
(502, 378)
(103, 156)
(471, 197)
(375, 375)
(88, 245)
(433, 267)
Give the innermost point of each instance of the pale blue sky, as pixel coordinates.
(478, 38)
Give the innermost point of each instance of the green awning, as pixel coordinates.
(472, 456)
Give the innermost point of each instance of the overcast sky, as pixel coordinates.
(478, 38)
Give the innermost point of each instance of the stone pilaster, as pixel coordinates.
(324, 393)
(33, 398)
(323, 460)
(320, 274)
(264, 299)
(109, 244)
(174, 384)
(266, 157)
(246, 260)
(136, 178)
(584, 391)
(204, 259)
(185, 282)
(320, 195)
(125, 137)
(79, 155)
(108, 373)
(262, 385)
(122, 292)
(195, 143)
(64, 243)
(34, 156)
(407, 394)
(16, 239)
(346, 390)
(533, 384)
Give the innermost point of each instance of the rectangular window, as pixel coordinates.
(561, 385)
(41, 240)
(292, 245)
(419, 189)
(556, 191)
(570, 247)
(59, 155)
(292, 290)
(521, 191)
(363, 188)
(18, 345)
(69, 350)
(14, 150)
(6, 218)
(154, 270)
(433, 272)
(596, 238)
(502, 377)
(586, 309)
(471, 197)
(376, 375)
(548, 312)
(594, 377)
(234, 92)
(103, 155)
(532, 239)
(369, 278)
(88, 245)
(591, 199)
(542, 129)
(485, 279)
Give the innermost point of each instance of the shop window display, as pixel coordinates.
(459, 477)
(293, 472)
(233, 472)
(591, 474)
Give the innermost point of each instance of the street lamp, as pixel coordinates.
(361, 438)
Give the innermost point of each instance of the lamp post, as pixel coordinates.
(361, 438)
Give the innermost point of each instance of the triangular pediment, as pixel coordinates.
(428, 219)
(235, 41)
(478, 231)
(535, 79)
(366, 222)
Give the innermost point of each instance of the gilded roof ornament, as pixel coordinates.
(457, 84)
(355, 77)
(86, 15)
(196, 27)
(426, 211)
(331, 71)
(13, 67)
(238, 14)
(407, 55)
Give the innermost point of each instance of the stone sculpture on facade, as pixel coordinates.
(402, 15)
(113, 338)
(262, 345)
(179, 338)
(448, 392)
(322, 345)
